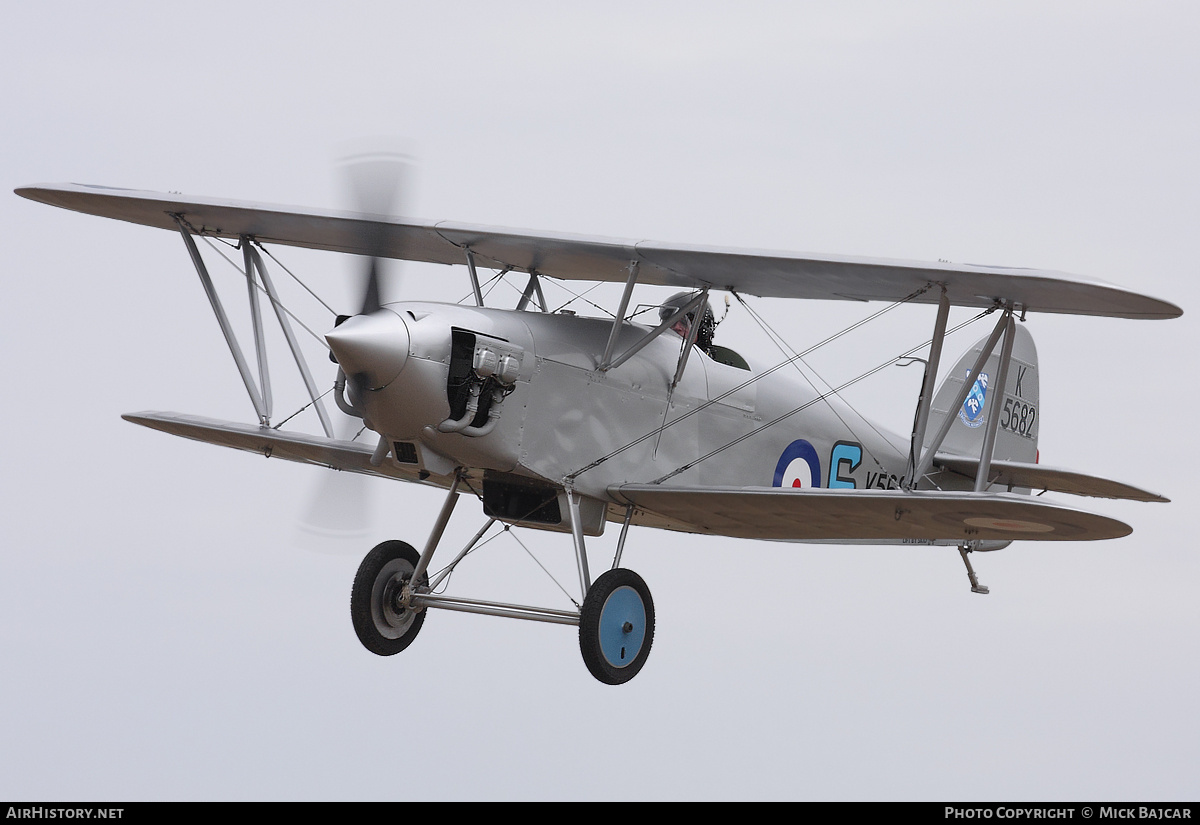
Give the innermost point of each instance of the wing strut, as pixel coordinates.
(256, 278)
(619, 318)
(989, 437)
(474, 278)
(260, 345)
(697, 301)
(689, 342)
(532, 288)
(290, 336)
(1002, 326)
(927, 387)
(261, 407)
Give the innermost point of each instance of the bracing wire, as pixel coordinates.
(579, 296)
(295, 278)
(750, 381)
(263, 290)
(816, 400)
(488, 284)
(505, 528)
(786, 350)
(302, 409)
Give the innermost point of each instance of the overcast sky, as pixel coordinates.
(164, 636)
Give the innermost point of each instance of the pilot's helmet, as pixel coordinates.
(708, 324)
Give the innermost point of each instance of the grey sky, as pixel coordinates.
(164, 638)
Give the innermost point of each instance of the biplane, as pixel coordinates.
(560, 422)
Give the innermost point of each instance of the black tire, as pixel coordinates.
(382, 627)
(616, 626)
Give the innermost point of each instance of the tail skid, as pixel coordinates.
(990, 443)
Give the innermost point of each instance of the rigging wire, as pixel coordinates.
(496, 279)
(263, 290)
(705, 405)
(505, 528)
(302, 409)
(579, 296)
(445, 583)
(816, 400)
(278, 304)
(495, 282)
(294, 277)
(508, 529)
(784, 348)
(489, 281)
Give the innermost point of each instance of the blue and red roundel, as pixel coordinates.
(798, 466)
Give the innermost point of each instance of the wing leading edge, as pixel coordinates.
(577, 257)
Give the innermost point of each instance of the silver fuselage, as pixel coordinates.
(561, 414)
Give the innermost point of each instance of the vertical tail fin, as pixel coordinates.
(1018, 406)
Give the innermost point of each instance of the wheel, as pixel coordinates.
(616, 626)
(382, 625)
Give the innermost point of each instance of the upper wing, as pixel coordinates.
(769, 274)
(864, 515)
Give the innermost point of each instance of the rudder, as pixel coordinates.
(1018, 406)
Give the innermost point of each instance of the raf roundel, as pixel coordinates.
(798, 466)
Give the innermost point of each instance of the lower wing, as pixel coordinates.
(863, 515)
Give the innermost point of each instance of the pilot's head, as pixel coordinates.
(708, 323)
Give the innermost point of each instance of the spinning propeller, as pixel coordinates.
(377, 180)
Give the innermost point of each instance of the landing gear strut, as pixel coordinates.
(393, 591)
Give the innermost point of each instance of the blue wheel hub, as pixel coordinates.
(622, 626)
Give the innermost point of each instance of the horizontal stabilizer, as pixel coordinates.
(864, 515)
(1036, 477)
(577, 257)
(350, 456)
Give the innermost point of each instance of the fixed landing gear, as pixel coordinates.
(384, 622)
(392, 592)
(616, 626)
(616, 622)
